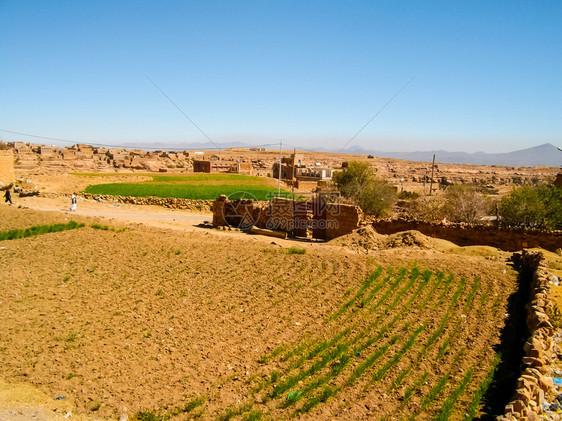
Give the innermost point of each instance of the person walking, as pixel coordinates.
(8, 196)
(73, 203)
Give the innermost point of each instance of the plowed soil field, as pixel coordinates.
(149, 322)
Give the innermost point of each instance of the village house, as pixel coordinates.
(46, 151)
(222, 167)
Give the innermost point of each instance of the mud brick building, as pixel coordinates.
(7, 174)
(222, 167)
(314, 218)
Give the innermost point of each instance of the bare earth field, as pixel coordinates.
(191, 322)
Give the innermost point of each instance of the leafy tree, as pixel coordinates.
(535, 207)
(464, 203)
(359, 182)
(552, 197)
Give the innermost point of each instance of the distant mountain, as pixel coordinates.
(547, 155)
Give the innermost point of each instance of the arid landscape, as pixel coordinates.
(150, 318)
(280, 211)
(156, 314)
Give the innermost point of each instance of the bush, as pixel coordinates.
(359, 183)
(428, 209)
(464, 204)
(404, 195)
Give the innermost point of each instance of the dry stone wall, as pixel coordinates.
(470, 235)
(167, 202)
(534, 383)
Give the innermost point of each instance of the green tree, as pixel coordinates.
(552, 198)
(535, 207)
(359, 182)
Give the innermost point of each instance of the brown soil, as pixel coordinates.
(152, 317)
(163, 312)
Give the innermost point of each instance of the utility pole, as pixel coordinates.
(431, 181)
(293, 191)
(293, 176)
(280, 166)
(424, 181)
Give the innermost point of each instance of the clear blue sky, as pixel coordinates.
(309, 72)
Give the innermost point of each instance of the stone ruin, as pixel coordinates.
(315, 218)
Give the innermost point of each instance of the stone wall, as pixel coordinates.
(167, 202)
(342, 219)
(534, 383)
(7, 174)
(470, 235)
(278, 215)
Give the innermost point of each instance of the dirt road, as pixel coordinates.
(149, 215)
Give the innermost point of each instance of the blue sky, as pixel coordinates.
(312, 73)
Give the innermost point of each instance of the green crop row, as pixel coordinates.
(371, 339)
(447, 407)
(38, 230)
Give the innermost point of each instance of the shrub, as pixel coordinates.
(404, 195)
(295, 250)
(428, 209)
(464, 204)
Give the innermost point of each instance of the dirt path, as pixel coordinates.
(150, 215)
(154, 216)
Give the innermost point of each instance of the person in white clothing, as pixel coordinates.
(73, 202)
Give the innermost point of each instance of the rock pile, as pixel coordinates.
(366, 238)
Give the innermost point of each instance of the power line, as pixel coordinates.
(378, 112)
(181, 111)
(124, 146)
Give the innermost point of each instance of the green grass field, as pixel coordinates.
(195, 186)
